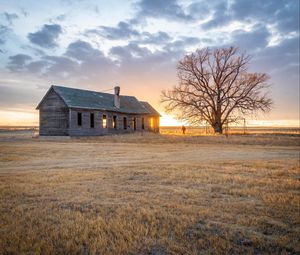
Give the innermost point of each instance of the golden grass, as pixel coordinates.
(150, 194)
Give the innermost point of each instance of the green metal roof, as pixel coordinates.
(149, 108)
(86, 99)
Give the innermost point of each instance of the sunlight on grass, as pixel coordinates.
(150, 194)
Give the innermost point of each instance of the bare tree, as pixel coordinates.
(215, 85)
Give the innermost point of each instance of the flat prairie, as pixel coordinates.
(150, 194)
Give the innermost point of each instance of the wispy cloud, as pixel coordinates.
(167, 9)
(9, 17)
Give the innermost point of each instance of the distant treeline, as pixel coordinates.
(17, 128)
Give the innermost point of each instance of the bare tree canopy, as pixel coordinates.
(215, 85)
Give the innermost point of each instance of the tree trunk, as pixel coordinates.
(217, 126)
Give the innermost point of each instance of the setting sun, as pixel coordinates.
(169, 121)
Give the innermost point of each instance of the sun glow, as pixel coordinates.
(16, 118)
(169, 121)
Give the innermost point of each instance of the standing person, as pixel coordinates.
(183, 128)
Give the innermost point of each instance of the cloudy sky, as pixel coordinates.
(136, 44)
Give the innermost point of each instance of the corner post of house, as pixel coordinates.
(70, 120)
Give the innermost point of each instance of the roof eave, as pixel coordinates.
(111, 110)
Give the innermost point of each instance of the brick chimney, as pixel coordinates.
(117, 97)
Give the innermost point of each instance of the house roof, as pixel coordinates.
(86, 99)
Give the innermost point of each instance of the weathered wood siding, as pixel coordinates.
(54, 116)
(86, 130)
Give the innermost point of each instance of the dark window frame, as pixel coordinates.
(143, 123)
(124, 123)
(79, 119)
(92, 120)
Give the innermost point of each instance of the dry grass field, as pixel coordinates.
(150, 194)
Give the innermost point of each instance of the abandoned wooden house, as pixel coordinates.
(77, 112)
